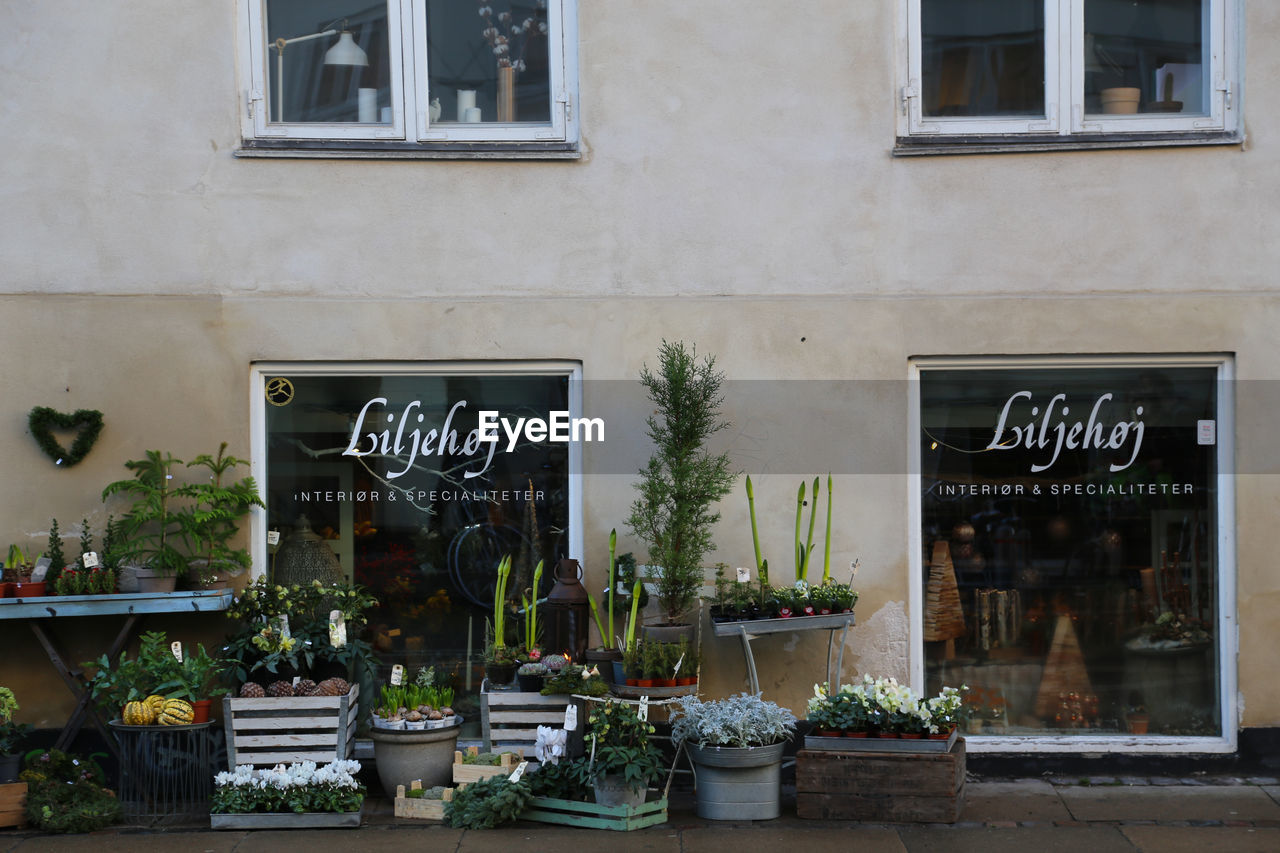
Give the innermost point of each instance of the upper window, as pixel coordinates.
(409, 74)
(1079, 68)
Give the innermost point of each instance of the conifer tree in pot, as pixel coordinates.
(674, 513)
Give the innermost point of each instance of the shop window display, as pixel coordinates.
(1069, 527)
(389, 471)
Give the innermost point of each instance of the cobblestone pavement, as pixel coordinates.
(1096, 814)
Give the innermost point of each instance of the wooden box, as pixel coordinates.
(13, 804)
(266, 732)
(592, 816)
(465, 773)
(895, 787)
(509, 720)
(415, 808)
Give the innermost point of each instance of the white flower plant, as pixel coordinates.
(299, 788)
(884, 705)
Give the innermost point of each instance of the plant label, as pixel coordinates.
(337, 629)
(676, 669)
(177, 650)
(519, 771)
(571, 718)
(283, 622)
(644, 708)
(397, 675)
(273, 538)
(744, 575)
(90, 559)
(41, 569)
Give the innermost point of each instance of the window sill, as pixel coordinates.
(921, 146)
(365, 150)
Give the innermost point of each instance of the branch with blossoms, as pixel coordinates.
(509, 39)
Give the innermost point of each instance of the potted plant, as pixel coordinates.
(298, 795)
(196, 680)
(625, 761)
(11, 734)
(68, 793)
(531, 676)
(736, 746)
(500, 660)
(114, 685)
(211, 521)
(605, 654)
(682, 481)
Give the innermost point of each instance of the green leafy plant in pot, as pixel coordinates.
(683, 480)
(625, 761)
(11, 734)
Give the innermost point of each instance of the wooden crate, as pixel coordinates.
(13, 804)
(509, 720)
(266, 732)
(592, 816)
(898, 787)
(466, 773)
(414, 808)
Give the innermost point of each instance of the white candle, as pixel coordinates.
(466, 101)
(472, 115)
(367, 99)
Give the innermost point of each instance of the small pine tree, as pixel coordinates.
(86, 541)
(57, 562)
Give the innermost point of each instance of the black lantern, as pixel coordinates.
(567, 612)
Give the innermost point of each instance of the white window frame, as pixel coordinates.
(411, 124)
(1228, 628)
(1064, 85)
(261, 371)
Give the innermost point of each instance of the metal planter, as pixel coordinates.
(737, 783)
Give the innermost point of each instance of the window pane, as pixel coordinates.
(982, 57)
(1145, 57)
(401, 512)
(342, 77)
(1069, 532)
(487, 60)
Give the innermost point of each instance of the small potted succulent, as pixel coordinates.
(531, 676)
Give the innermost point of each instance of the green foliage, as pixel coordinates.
(487, 803)
(131, 679)
(151, 531)
(65, 793)
(11, 733)
(57, 561)
(41, 420)
(568, 780)
(210, 522)
(673, 515)
(622, 744)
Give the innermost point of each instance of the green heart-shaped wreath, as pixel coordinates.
(42, 419)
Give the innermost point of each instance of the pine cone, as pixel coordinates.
(304, 687)
(333, 687)
(280, 689)
(252, 690)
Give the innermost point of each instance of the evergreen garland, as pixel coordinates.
(42, 419)
(487, 803)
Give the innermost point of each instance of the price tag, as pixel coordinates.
(90, 559)
(571, 718)
(519, 771)
(337, 629)
(644, 708)
(744, 575)
(177, 650)
(397, 675)
(41, 569)
(273, 538)
(676, 669)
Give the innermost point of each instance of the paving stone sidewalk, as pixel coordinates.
(1097, 814)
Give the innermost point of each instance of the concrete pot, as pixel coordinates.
(737, 783)
(405, 756)
(612, 789)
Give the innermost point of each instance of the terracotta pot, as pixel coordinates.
(687, 681)
(29, 589)
(911, 735)
(644, 682)
(201, 709)
(1121, 100)
(826, 733)
(634, 682)
(855, 734)
(6, 590)
(664, 682)
(887, 735)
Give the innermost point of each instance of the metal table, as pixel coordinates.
(43, 612)
(750, 629)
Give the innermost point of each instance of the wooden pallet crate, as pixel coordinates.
(13, 804)
(416, 808)
(592, 816)
(509, 720)
(266, 732)
(898, 787)
(464, 774)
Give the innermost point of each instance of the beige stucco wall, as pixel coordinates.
(736, 189)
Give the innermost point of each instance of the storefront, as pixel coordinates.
(1075, 564)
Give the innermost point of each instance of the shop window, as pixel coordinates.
(1072, 563)
(409, 74)
(385, 466)
(1086, 69)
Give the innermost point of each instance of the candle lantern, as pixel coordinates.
(566, 613)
